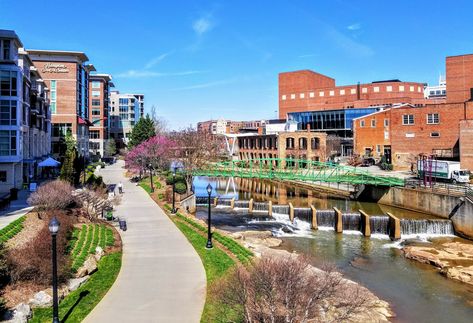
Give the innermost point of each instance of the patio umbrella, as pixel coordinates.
(49, 162)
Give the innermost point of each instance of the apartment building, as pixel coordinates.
(99, 90)
(24, 114)
(125, 111)
(66, 74)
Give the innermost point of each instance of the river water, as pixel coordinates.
(417, 292)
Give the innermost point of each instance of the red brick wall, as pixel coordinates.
(459, 78)
(466, 144)
(369, 137)
(66, 87)
(310, 91)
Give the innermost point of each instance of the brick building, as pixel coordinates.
(294, 145)
(66, 74)
(99, 89)
(305, 90)
(444, 130)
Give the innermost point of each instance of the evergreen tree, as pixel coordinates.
(142, 131)
(110, 148)
(68, 169)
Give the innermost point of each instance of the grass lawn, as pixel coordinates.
(216, 263)
(144, 183)
(78, 304)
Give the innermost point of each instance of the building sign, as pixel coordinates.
(54, 68)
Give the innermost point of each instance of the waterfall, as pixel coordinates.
(244, 204)
(351, 221)
(326, 219)
(260, 206)
(303, 213)
(281, 209)
(224, 202)
(426, 227)
(203, 200)
(379, 224)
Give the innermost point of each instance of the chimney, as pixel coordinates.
(308, 127)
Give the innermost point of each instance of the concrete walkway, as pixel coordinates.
(162, 278)
(16, 210)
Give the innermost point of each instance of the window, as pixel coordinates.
(435, 134)
(123, 108)
(95, 102)
(321, 93)
(283, 97)
(293, 96)
(96, 85)
(364, 90)
(376, 89)
(3, 176)
(5, 49)
(419, 89)
(94, 134)
(386, 135)
(407, 119)
(332, 93)
(386, 122)
(410, 135)
(7, 112)
(433, 118)
(52, 104)
(8, 86)
(122, 101)
(311, 94)
(301, 95)
(362, 123)
(432, 92)
(95, 112)
(411, 88)
(389, 88)
(342, 92)
(94, 145)
(378, 149)
(7, 142)
(401, 88)
(444, 92)
(373, 123)
(353, 91)
(95, 93)
(61, 129)
(315, 143)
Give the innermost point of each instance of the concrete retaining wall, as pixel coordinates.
(458, 209)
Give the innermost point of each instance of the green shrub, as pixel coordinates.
(180, 188)
(179, 178)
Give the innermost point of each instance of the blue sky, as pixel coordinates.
(196, 60)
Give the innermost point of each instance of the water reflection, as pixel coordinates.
(282, 193)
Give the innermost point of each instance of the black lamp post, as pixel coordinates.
(83, 163)
(151, 177)
(173, 211)
(54, 228)
(209, 222)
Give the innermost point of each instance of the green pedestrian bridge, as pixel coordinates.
(298, 170)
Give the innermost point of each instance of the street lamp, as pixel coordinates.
(209, 222)
(54, 228)
(173, 211)
(151, 177)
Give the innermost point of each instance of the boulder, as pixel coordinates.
(41, 299)
(256, 234)
(89, 267)
(75, 283)
(20, 314)
(99, 253)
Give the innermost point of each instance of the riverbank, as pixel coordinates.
(453, 259)
(262, 243)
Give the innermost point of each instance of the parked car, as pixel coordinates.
(368, 161)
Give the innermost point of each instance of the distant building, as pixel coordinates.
(436, 91)
(25, 117)
(66, 74)
(125, 111)
(99, 90)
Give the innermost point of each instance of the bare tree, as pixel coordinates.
(54, 195)
(195, 150)
(160, 124)
(289, 290)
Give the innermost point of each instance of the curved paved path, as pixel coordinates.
(162, 278)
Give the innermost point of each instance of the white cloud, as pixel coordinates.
(156, 60)
(355, 26)
(146, 74)
(202, 25)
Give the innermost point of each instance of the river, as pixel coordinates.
(417, 292)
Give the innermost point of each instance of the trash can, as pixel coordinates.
(122, 224)
(13, 194)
